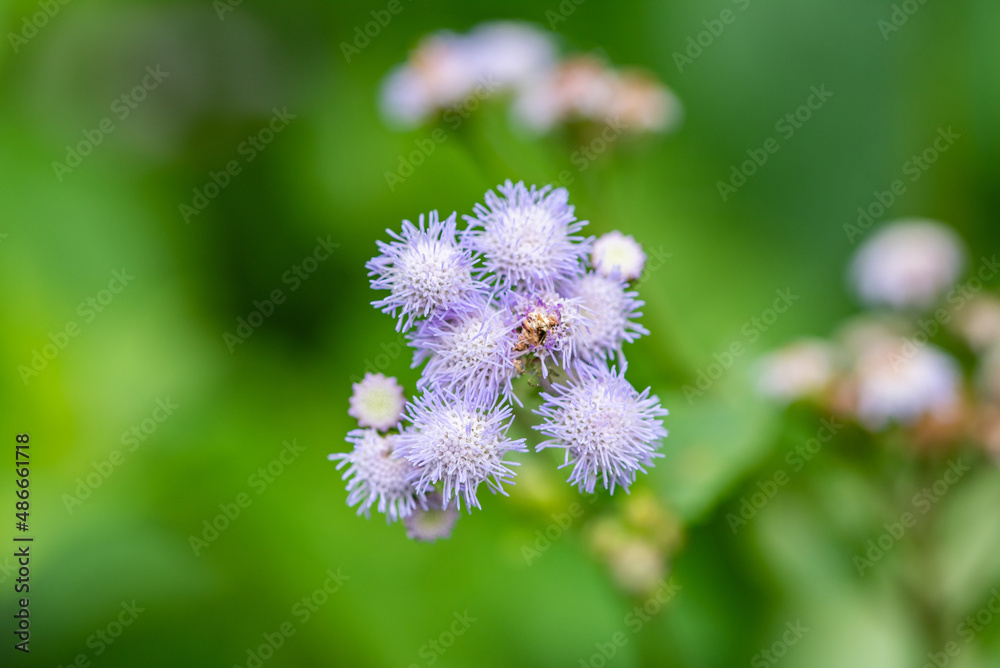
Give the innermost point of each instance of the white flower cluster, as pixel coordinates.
(448, 71)
(882, 369)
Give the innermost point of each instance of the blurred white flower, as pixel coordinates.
(899, 381)
(511, 53)
(801, 369)
(439, 73)
(585, 88)
(979, 322)
(907, 264)
(643, 104)
(615, 251)
(637, 566)
(577, 87)
(447, 68)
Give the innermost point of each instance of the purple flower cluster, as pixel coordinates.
(511, 296)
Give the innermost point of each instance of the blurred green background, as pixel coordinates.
(323, 176)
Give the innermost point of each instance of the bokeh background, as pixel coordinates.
(323, 176)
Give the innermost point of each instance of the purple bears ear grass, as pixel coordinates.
(425, 271)
(608, 430)
(460, 444)
(518, 292)
(528, 237)
(377, 476)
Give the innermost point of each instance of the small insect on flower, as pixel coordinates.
(608, 430)
(617, 254)
(460, 443)
(425, 271)
(378, 476)
(528, 237)
(478, 307)
(548, 326)
(377, 402)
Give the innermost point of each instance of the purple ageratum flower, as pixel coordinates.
(434, 522)
(469, 355)
(460, 443)
(608, 429)
(425, 271)
(378, 475)
(527, 237)
(547, 326)
(377, 402)
(612, 309)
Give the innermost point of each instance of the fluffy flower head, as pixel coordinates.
(425, 271)
(528, 236)
(611, 309)
(377, 476)
(462, 444)
(470, 354)
(608, 430)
